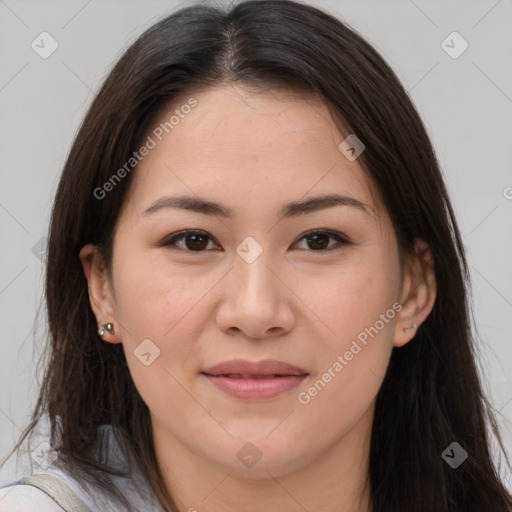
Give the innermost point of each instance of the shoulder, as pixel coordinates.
(26, 498)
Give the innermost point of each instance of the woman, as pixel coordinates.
(256, 287)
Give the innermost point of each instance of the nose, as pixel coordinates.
(256, 299)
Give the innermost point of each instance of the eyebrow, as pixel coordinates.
(293, 209)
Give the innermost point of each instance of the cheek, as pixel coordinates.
(153, 299)
(355, 312)
(169, 309)
(159, 317)
(349, 300)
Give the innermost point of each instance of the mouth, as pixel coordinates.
(255, 381)
(247, 376)
(255, 387)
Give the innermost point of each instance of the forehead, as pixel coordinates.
(239, 144)
(248, 122)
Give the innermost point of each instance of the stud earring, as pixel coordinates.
(413, 326)
(106, 327)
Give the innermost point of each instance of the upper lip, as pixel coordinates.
(265, 367)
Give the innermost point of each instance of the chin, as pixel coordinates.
(259, 455)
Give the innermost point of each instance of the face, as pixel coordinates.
(252, 278)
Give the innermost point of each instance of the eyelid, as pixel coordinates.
(180, 235)
(336, 235)
(339, 237)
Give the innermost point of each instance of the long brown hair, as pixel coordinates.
(431, 395)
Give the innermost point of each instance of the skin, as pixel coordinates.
(253, 151)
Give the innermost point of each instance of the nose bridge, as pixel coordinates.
(254, 302)
(254, 279)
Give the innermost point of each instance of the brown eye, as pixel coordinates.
(193, 241)
(197, 241)
(318, 241)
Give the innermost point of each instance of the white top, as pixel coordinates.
(27, 498)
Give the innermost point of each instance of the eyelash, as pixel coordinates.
(169, 242)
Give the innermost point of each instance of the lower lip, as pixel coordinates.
(256, 389)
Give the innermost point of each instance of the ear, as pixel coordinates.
(100, 293)
(418, 293)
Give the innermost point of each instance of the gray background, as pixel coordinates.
(466, 103)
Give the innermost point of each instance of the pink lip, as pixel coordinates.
(257, 388)
(266, 379)
(264, 367)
